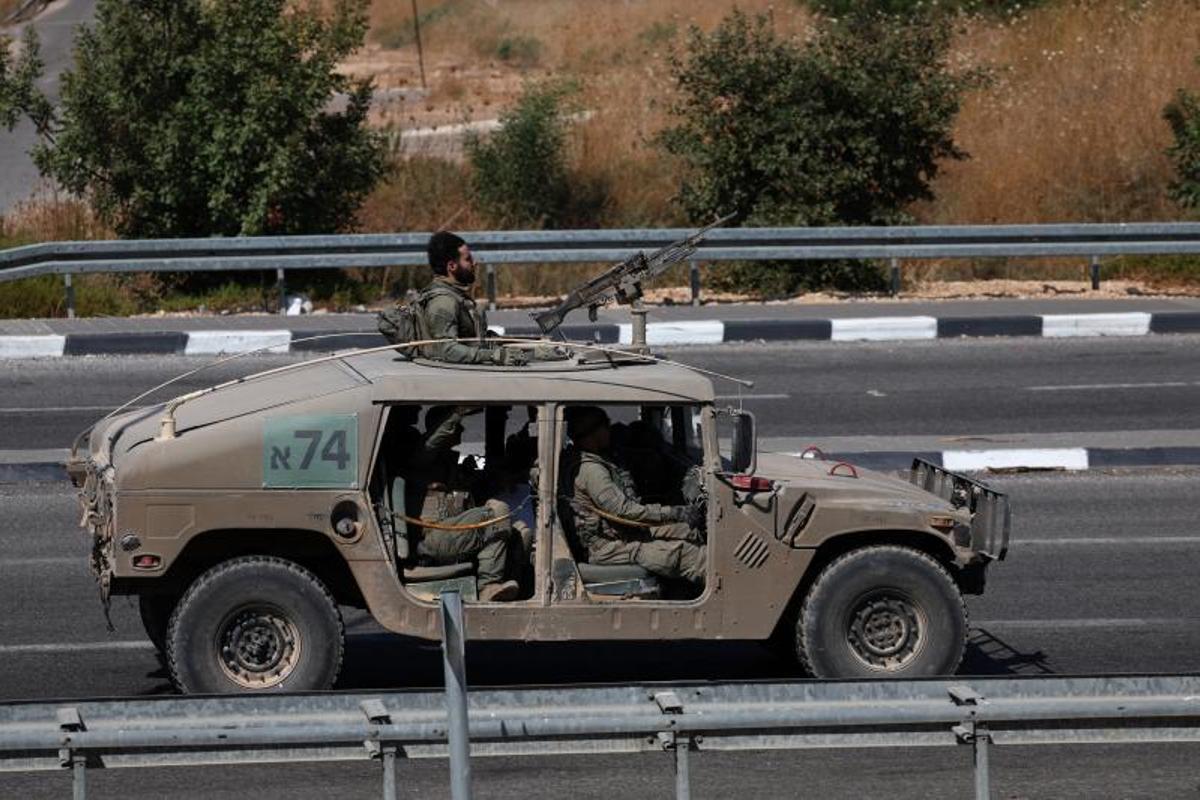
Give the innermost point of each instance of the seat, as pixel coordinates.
(459, 576)
(618, 580)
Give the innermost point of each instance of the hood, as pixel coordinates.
(110, 439)
(877, 488)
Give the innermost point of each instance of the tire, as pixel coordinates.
(255, 624)
(155, 610)
(882, 612)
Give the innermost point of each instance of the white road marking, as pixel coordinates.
(38, 346)
(728, 397)
(1134, 323)
(60, 409)
(699, 331)
(74, 647)
(46, 561)
(876, 393)
(1109, 540)
(215, 342)
(1112, 622)
(1073, 458)
(1085, 387)
(878, 329)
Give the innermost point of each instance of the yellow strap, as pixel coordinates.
(610, 517)
(441, 526)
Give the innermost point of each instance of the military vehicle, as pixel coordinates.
(245, 515)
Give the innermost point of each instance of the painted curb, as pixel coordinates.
(682, 332)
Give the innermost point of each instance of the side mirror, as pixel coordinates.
(745, 449)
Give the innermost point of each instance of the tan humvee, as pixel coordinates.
(244, 515)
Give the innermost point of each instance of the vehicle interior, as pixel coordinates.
(497, 459)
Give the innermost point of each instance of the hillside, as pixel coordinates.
(1071, 129)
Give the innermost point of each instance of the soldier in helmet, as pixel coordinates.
(612, 523)
(449, 312)
(438, 487)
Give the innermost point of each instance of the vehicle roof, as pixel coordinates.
(570, 380)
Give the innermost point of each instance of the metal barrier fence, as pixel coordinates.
(676, 719)
(895, 244)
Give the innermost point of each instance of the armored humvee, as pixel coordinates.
(245, 515)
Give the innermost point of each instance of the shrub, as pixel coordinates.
(520, 51)
(1183, 115)
(847, 129)
(520, 174)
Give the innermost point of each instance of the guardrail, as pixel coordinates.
(896, 244)
(678, 719)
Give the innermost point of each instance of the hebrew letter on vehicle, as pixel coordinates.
(311, 452)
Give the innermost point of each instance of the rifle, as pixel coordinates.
(623, 282)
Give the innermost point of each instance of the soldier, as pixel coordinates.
(612, 523)
(438, 489)
(449, 312)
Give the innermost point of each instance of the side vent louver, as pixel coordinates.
(752, 551)
(797, 520)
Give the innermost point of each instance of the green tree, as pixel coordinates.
(521, 174)
(845, 129)
(207, 117)
(1183, 116)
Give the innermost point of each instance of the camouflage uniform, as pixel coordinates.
(433, 485)
(667, 547)
(449, 312)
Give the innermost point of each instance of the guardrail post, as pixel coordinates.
(895, 283)
(1095, 273)
(389, 773)
(491, 287)
(281, 286)
(694, 281)
(683, 786)
(70, 722)
(454, 668)
(70, 295)
(974, 733)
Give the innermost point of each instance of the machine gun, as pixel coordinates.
(623, 283)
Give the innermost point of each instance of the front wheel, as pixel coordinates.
(255, 623)
(882, 612)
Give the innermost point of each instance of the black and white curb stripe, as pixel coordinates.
(682, 332)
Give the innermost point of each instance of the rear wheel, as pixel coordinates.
(255, 623)
(882, 611)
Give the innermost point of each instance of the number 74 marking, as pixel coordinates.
(334, 450)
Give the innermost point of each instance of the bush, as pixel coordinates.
(520, 51)
(847, 129)
(520, 174)
(839, 8)
(1183, 115)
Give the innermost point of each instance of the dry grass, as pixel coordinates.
(1073, 128)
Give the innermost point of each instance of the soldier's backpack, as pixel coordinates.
(406, 322)
(402, 324)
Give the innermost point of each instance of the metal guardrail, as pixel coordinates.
(1092, 241)
(676, 719)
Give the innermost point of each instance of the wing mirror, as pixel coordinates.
(745, 449)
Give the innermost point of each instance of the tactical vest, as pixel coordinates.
(590, 527)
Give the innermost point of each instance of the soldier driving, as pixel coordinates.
(456, 533)
(613, 525)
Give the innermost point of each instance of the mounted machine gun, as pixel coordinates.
(623, 283)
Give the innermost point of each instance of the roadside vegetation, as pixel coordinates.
(1062, 110)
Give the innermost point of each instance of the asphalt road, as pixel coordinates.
(56, 31)
(951, 388)
(1100, 579)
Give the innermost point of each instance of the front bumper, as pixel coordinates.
(991, 516)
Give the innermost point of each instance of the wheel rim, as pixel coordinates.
(258, 646)
(886, 630)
